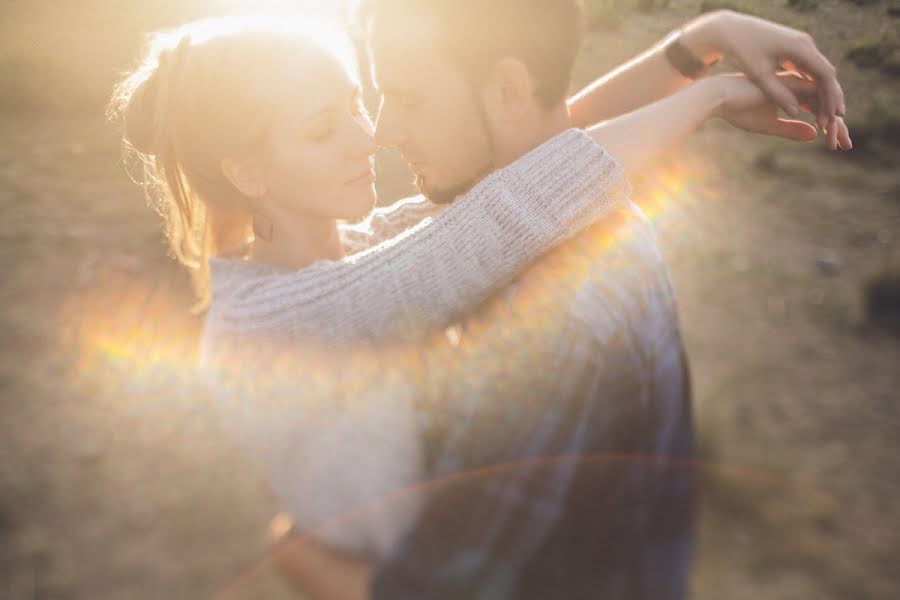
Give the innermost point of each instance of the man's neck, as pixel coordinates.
(531, 134)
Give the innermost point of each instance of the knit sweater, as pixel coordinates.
(430, 274)
(415, 267)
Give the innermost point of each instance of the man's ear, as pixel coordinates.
(509, 90)
(244, 177)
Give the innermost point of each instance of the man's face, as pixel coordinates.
(429, 109)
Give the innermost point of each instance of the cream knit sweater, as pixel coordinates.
(415, 267)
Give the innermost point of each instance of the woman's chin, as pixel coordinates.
(360, 206)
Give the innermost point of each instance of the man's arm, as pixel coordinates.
(756, 47)
(646, 78)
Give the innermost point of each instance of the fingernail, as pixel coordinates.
(842, 111)
(793, 110)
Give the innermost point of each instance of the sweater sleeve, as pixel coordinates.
(386, 222)
(435, 272)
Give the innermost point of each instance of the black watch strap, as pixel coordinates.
(684, 61)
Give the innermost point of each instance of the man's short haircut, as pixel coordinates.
(544, 34)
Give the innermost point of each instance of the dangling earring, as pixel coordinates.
(262, 227)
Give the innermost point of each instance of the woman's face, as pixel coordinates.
(318, 158)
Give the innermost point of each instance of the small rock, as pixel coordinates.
(829, 265)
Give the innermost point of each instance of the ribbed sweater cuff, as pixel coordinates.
(569, 181)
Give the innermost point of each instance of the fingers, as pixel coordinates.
(844, 135)
(778, 92)
(831, 95)
(804, 90)
(838, 135)
(799, 131)
(831, 134)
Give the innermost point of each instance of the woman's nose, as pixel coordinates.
(363, 137)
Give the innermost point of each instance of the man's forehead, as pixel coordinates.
(403, 46)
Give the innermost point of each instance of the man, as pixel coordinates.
(592, 415)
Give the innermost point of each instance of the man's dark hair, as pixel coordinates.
(544, 34)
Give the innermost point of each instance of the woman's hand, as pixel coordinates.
(747, 107)
(760, 49)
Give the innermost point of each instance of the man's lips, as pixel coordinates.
(367, 176)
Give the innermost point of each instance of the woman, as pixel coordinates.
(256, 145)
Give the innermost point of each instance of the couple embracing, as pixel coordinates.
(481, 391)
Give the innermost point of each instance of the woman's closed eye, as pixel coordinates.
(322, 128)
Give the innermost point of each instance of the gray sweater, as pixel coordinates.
(414, 280)
(328, 443)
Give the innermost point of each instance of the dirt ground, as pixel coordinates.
(114, 486)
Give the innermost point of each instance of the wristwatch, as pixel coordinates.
(680, 57)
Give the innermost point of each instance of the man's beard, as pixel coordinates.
(449, 194)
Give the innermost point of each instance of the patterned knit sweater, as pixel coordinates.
(328, 442)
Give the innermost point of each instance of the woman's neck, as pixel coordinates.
(299, 242)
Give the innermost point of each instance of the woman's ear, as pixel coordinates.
(509, 91)
(245, 178)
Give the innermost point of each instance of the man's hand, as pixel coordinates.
(747, 107)
(314, 571)
(760, 49)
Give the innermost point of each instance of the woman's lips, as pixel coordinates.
(367, 178)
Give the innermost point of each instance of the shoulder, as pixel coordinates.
(249, 296)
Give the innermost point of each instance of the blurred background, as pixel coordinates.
(115, 483)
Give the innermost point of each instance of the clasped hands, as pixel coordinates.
(780, 67)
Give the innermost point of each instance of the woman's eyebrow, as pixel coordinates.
(317, 113)
(356, 93)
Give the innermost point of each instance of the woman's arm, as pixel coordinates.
(754, 46)
(640, 135)
(435, 272)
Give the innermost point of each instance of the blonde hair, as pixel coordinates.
(204, 92)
